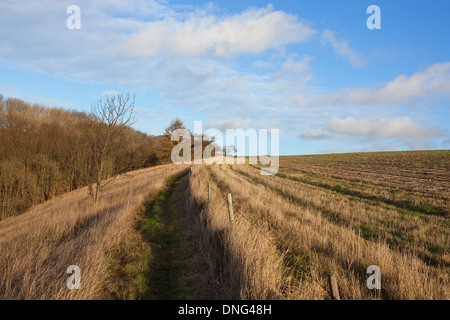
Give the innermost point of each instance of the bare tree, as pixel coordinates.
(107, 134)
(229, 150)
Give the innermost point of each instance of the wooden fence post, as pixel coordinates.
(230, 208)
(334, 291)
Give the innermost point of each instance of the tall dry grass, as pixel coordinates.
(241, 263)
(286, 237)
(38, 246)
(413, 233)
(314, 245)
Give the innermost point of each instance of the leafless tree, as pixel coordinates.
(111, 118)
(229, 150)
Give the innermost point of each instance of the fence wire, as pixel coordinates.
(237, 212)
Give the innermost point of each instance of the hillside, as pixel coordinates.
(46, 151)
(161, 233)
(38, 246)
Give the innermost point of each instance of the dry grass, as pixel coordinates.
(316, 232)
(38, 246)
(242, 264)
(418, 234)
(289, 232)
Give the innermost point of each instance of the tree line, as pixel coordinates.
(48, 151)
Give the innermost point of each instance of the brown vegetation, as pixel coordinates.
(314, 231)
(287, 236)
(38, 246)
(49, 151)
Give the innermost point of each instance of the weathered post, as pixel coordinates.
(230, 209)
(334, 291)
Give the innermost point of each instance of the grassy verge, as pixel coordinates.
(153, 264)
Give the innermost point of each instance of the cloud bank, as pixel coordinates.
(250, 32)
(433, 81)
(399, 127)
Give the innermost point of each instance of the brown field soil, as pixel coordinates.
(426, 172)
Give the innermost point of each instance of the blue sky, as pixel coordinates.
(311, 69)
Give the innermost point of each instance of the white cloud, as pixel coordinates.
(252, 31)
(434, 80)
(343, 48)
(34, 35)
(318, 134)
(399, 127)
(232, 123)
(110, 93)
(262, 64)
(297, 66)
